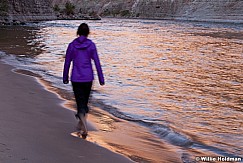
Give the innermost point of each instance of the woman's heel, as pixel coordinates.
(84, 135)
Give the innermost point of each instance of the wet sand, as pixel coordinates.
(34, 127)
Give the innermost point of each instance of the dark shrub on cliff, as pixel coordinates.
(3, 7)
(69, 8)
(56, 8)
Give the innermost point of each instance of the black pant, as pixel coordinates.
(82, 92)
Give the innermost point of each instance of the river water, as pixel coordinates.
(181, 80)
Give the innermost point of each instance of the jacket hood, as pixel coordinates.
(82, 42)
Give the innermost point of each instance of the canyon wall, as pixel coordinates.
(218, 10)
(14, 11)
(199, 10)
(211, 10)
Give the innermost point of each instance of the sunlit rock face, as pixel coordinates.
(175, 9)
(231, 10)
(13, 11)
(189, 9)
(213, 10)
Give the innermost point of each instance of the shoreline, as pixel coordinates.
(131, 140)
(36, 128)
(186, 19)
(146, 141)
(120, 136)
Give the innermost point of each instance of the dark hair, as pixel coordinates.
(83, 30)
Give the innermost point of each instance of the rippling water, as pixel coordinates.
(183, 80)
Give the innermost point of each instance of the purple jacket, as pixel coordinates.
(80, 51)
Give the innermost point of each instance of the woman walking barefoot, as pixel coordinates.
(80, 52)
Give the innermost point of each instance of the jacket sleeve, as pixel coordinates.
(68, 60)
(95, 57)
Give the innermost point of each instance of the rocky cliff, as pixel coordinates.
(209, 10)
(206, 10)
(14, 11)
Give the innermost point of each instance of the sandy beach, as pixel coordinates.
(34, 127)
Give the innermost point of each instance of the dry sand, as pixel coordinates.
(34, 127)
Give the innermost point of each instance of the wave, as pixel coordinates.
(164, 132)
